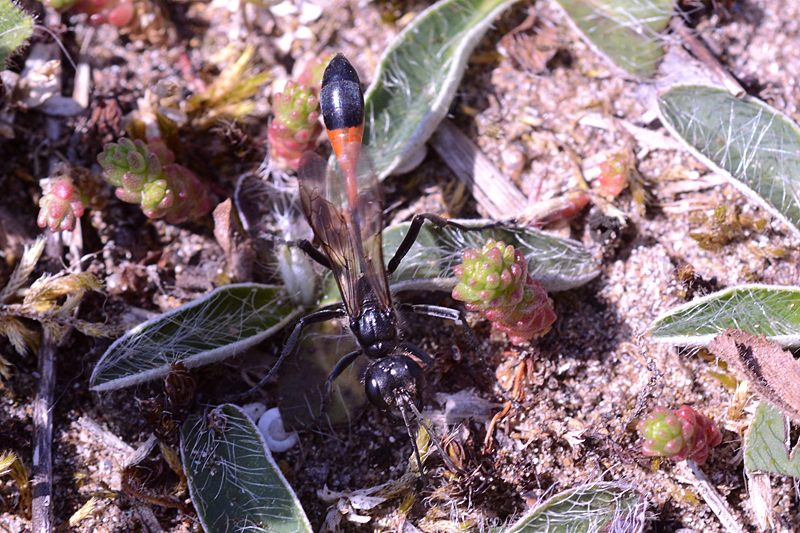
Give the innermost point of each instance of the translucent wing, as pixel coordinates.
(331, 228)
(369, 217)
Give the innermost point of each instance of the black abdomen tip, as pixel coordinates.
(339, 69)
(341, 98)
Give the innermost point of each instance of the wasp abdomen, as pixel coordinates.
(342, 103)
(341, 98)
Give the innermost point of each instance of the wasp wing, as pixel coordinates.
(369, 217)
(331, 228)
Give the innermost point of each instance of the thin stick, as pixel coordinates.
(42, 486)
(701, 52)
(493, 191)
(714, 500)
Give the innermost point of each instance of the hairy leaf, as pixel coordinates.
(16, 26)
(418, 75)
(226, 321)
(234, 482)
(626, 32)
(767, 309)
(766, 446)
(589, 508)
(754, 145)
(559, 264)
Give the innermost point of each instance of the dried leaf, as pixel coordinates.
(47, 288)
(20, 337)
(5, 371)
(238, 248)
(23, 270)
(10, 465)
(772, 372)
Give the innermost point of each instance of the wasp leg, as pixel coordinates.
(327, 389)
(458, 317)
(312, 252)
(439, 222)
(401, 405)
(417, 352)
(322, 315)
(303, 244)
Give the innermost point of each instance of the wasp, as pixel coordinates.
(345, 212)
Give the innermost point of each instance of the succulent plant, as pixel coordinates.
(494, 280)
(61, 205)
(615, 172)
(118, 13)
(147, 175)
(296, 125)
(679, 434)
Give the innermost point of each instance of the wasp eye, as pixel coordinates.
(391, 378)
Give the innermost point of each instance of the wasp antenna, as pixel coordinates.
(436, 442)
(403, 400)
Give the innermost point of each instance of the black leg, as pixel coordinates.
(418, 353)
(314, 318)
(439, 222)
(340, 367)
(312, 252)
(458, 317)
(304, 245)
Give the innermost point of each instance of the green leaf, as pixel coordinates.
(559, 264)
(768, 309)
(234, 482)
(226, 321)
(588, 508)
(765, 446)
(418, 75)
(753, 144)
(626, 32)
(16, 26)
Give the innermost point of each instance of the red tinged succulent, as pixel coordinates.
(679, 434)
(494, 280)
(61, 206)
(147, 175)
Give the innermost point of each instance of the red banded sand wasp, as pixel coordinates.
(345, 213)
